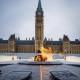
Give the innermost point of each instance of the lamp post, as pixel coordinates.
(65, 54)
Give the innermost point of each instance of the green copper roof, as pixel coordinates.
(39, 5)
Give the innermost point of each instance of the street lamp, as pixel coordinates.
(65, 54)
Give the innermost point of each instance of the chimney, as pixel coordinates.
(48, 39)
(51, 39)
(29, 39)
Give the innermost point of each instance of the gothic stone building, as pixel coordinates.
(33, 46)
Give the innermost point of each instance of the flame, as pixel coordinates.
(44, 50)
(61, 54)
(47, 53)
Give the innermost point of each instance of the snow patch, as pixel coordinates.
(73, 59)
(3, 58)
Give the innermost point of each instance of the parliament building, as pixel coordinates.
(34, 45)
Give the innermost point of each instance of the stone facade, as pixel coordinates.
(28, 46)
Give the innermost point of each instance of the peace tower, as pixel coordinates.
(39, 28)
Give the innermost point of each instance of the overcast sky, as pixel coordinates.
(60, 17)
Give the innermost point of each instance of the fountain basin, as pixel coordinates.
(40, 58)
(41, 63)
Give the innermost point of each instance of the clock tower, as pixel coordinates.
(39, 28)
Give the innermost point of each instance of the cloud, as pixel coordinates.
(60, 17)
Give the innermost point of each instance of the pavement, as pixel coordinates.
(39, 72)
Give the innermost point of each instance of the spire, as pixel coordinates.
(39, 5)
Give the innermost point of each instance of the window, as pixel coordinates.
(38, 38)
(38, 43)
(39, 21)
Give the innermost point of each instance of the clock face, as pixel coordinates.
(39, 13)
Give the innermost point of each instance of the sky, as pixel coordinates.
(60, 17)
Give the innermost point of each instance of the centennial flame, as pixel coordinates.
(61, 54)
(46, 55)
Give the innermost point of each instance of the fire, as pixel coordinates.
(61, 54)
(44, 50)
(46, 55)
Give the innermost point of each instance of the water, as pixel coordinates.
(30, 55)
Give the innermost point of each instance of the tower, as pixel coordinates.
(66, 44)
(12, 44)
(39, 28)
